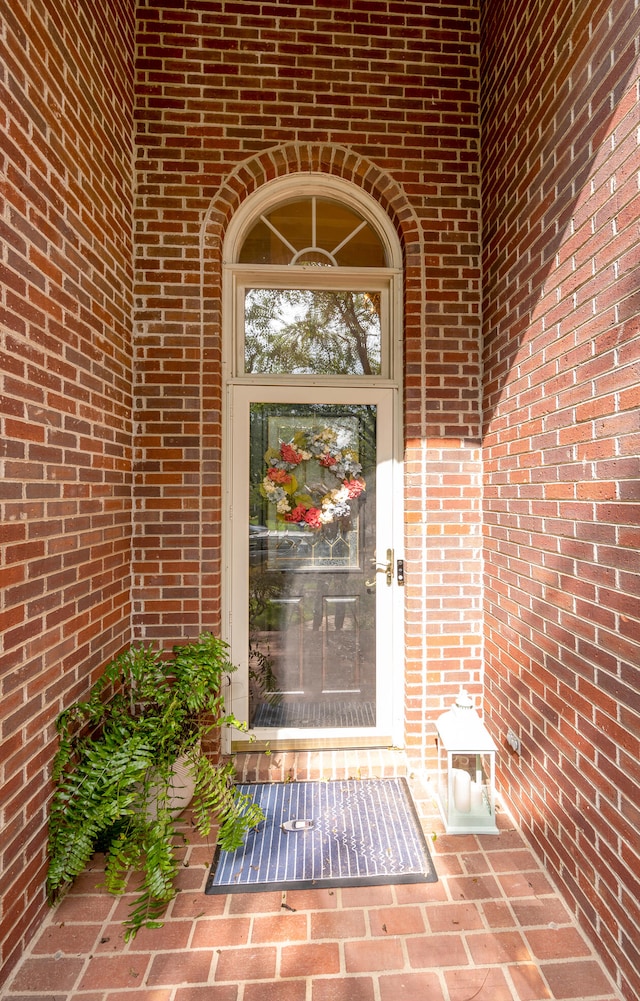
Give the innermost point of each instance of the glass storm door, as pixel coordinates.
(311, 563)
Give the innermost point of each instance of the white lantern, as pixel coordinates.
(466, 770)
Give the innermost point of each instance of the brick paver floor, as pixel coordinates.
(493, 928)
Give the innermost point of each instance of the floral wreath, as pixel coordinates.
(295, 503)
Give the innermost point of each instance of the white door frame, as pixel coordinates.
(389, 531)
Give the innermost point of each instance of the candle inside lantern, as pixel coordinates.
(475, 796)
(462, 790)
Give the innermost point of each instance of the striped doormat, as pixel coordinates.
(352, 832)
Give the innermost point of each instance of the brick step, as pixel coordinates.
(298, 766)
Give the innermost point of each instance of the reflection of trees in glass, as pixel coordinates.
(263, 684)
(312, 332)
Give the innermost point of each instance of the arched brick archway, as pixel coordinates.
(294, 158)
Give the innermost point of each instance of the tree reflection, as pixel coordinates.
(319, 332)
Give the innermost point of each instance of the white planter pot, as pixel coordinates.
(181, 789)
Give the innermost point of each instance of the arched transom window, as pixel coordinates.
(313, 231)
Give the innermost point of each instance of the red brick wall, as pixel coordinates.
(561, 315)
(386, 95)
(65, 397)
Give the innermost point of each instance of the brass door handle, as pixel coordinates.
(385, 568)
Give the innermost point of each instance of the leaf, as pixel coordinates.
(216, 795)
(305, 499)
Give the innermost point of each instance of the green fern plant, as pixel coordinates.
(114, 773)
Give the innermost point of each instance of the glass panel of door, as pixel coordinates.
(312, 537)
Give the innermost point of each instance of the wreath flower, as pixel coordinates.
(312, 504)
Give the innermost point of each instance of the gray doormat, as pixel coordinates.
(353, 832)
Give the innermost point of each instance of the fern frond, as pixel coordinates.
(216, 795)
(144, 913)
(160, 868)
(242, 815)
(124, 853)
(160, 863)
(90, 799)
(199, 669)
